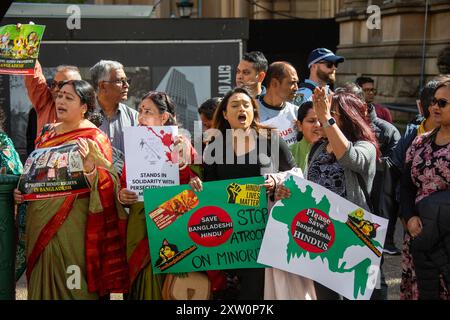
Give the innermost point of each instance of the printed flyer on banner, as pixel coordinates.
(321, 236)
(53, 172)
(151, 158)
(218, 228)
(19, 48)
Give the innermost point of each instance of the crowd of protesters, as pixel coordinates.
(338, 137)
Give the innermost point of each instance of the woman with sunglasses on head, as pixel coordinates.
(425, 194)
(156, 109)
(344, 161)
(238, 113)
(77, 230)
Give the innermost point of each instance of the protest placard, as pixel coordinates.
(151, 158)
(53, 172)
(319, 235)
(19, 48)
(218, 228)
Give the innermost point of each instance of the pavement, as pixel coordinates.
(391, 268)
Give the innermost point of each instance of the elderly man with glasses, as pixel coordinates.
(322, 64)
(111, 83)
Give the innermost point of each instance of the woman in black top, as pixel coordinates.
(243, 148)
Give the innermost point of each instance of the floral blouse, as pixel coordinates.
(430, 166)
(9, 159)
(328, 172)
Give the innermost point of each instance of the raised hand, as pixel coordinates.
(321, 104)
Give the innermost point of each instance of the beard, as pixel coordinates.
(326, 77)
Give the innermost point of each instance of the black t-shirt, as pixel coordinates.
(253, 164)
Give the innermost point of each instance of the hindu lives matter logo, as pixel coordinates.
(210, 226)
(313, 230)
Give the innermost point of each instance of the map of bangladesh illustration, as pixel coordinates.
(319, 235)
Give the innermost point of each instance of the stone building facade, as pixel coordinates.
(400, 55)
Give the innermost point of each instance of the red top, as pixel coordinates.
(383, 113)
(41, 97)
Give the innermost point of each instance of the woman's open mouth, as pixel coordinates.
(242, 118)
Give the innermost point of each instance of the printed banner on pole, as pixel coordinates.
(19, 48)
(53, 172)
(319, 235)
(218, 228)
(151, 158)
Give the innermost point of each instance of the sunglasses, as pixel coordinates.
(329, 64)
(60, 84)
(441, 103)
(57, 84)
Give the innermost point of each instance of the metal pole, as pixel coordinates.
(425, 28)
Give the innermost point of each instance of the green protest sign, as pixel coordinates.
(19, 48)
(319, 235)
(218, 228)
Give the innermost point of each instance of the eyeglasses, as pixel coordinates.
(368, 90)
(441, 103)
(58, 84)
(329, 64)
(120, 82)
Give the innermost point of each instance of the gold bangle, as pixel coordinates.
(90, 172)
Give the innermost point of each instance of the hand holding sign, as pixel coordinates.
(127, 196)
(18, 197)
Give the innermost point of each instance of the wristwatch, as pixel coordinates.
(329, 123)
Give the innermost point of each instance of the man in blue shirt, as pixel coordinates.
(322, 64)
(111, 84)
